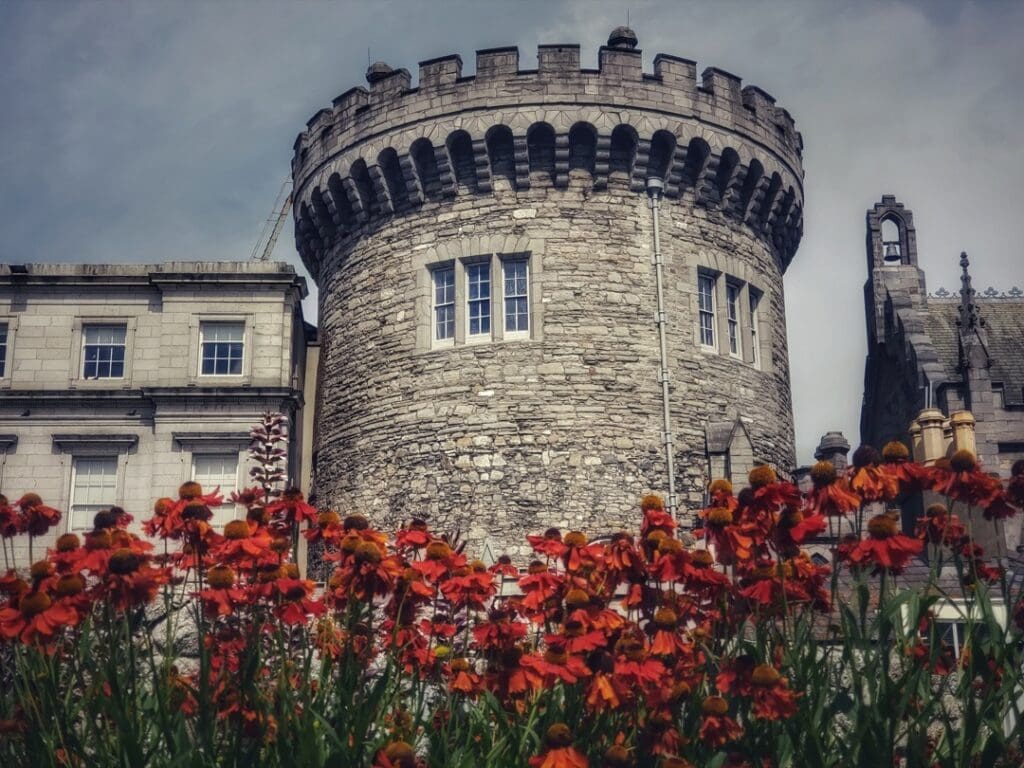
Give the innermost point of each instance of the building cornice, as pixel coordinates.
(237, 274)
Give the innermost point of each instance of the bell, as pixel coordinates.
(892, 252)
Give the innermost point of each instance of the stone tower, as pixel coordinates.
(504, 346)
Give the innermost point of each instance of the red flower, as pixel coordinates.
(831, 496)
(773, 700)
(473, 589)
(938, 526)
(717, 729)
(296, 603)
(415, 536)
(884, 547)
(293, 508)
(35, 618)
(37, 518)
(966, 482)
(549, 544)
(463, 679)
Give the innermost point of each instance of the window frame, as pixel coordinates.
(514, 261)
(203, 325)
(462, 268)
(733, 313)
(452, 306)
(4, 329)
(76, 458)
(754, 298)
(469, 267)
(711, 280)
(228, 508)
(84, 361)
(11, 321)
(76, 356)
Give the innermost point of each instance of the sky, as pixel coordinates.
(142, 132)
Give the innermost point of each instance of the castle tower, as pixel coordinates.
(491, 297)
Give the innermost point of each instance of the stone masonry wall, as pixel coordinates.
(500, 439)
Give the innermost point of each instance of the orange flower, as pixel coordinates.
(559, 752)
(868, 480)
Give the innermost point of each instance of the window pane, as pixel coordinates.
(706, 309)
(222, 349)
(732, 293)
(3, 349)
(103, 351)
(444, 303)
(517, 312)
(217, 470)
(94, 488)
(478, 292)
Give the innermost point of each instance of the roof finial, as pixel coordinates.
(968, 307)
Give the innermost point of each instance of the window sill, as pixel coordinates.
(120, 382)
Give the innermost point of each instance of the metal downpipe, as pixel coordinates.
(654, 190)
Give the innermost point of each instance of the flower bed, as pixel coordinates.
(636, 651)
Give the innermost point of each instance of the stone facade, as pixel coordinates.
(931, 356)
(497, 434)
(150, 422)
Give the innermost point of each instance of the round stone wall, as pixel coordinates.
(503, 433)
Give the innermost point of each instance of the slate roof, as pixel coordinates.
(1004, 320)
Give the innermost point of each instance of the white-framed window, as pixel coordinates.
(706, 309)
(3, 350)
(103, 348)
(478, 299)
(443, 282)
(217, 470)
(93, 488)
(221, 348)
(755, 339)
(732, 307)
(516, 296)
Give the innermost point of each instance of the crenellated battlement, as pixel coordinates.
(718, 97)
(388, 148)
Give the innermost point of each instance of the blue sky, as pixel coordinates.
(139, 132)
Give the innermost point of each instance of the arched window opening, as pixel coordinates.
(582, 148)
(540, 146)
(622, 153)
(727, 166)
(891, 246)
(425, 162)
(501, 153)
(364, 187)
(323, 216)
(663, 146)
(342, 204)
(754, 173)
(460, 152)
(697, 154)
(392, 171)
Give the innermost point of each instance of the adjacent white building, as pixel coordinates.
(119, 382)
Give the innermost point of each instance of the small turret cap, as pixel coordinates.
(377, 72)
(622, 37)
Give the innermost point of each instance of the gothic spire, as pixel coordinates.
(969, 317)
